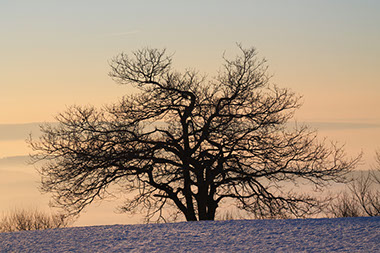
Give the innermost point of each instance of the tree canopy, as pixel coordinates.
(189, 142)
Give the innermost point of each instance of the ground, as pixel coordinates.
(300, 235)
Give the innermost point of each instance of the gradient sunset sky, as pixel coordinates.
(56, 53)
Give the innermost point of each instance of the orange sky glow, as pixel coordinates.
(55, 54)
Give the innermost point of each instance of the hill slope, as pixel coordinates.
(308, 235)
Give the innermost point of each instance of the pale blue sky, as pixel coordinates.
(55, 53)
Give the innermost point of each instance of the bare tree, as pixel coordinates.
(344, 205)
(362, 198)
(376, 170)
(188, 142)
(367, 196)
(21, 219)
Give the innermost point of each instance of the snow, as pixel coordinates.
(298, 235)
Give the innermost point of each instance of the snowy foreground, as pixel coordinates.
(308, 235)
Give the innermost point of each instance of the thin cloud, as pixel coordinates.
(8, 161)
(13, 132)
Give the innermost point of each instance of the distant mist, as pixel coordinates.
(14, 161)
(13, 132)
(340, 125)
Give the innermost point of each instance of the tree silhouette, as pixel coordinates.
(189, 142)
(22, 219)
(362, 196)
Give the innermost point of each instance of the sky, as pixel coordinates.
(56, 53)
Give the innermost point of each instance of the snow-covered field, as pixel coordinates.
(307, 235)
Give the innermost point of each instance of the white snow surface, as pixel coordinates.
(298, 235)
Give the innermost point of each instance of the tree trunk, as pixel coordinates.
(202, 202)
(190, 213)
(206, 206)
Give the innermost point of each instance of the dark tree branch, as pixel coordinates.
(188, 142)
